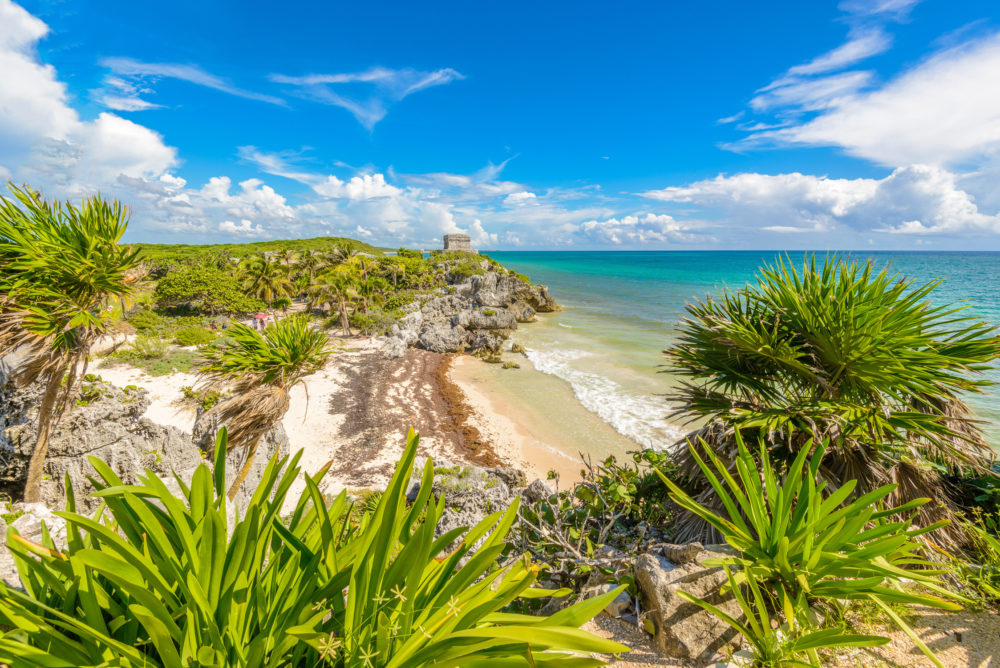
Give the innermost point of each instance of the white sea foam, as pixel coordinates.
(639, 417)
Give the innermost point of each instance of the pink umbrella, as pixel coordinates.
(260, 316)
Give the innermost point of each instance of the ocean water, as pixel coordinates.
(622, 308)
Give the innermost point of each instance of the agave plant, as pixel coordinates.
(842, 353)
(158, 580)
(260, 369)
(60, 268)
(812, 548)
(787, 645)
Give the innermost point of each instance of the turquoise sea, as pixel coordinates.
(621, 309)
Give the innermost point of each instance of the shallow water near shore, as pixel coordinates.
(621, 311)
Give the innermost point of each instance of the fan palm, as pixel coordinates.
(261, 369)
(309, 263)
(845, 353)
(266, 279)
(336, 288)
(60, 268)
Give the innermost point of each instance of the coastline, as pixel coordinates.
(356, 412)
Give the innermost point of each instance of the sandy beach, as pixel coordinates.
(356, 412)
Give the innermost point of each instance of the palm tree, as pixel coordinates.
(261, 369)
(60, 268)
(309, 263)
(266, 279)
(335, 288)
(840, 352)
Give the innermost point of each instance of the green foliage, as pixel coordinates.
(840, 352)
(205, 398)
(376, 321)
(396, 301)
(154, 356)
(789, 645)
(145, 320)
(408, 253)
(621, 506)
(161, 580)
(204, 289)
(174, 255)
(192, 335)
(143, 348)
(810, 545)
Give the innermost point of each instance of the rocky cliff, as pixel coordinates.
(476, 315)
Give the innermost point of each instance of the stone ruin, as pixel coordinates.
(458, 242)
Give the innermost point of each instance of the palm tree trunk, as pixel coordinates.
(345, 322)
(244, 472)
(33, 482)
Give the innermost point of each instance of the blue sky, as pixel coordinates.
(858, 124)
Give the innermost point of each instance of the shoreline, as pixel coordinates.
(356, 411)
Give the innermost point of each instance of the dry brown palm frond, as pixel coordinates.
(917, 481)
(250, 414)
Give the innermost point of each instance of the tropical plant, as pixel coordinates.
(844, 353)
(783, 646)
(336, 288)
(261, 369)
(811, 547)
(618, 505)
(265, 278)
(61, 266)
(158, 579)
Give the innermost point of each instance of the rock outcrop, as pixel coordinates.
(108, 424)
(684, 630)
(471, 493)
(477, 315)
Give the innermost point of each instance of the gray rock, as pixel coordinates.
(537, 490)
(684, 630)
(440, 337)
(515, 478)
(486, 319)
(618, 606)
(274, 443)
(679, 554)
(522, 311)
(489, 341)
(110, 427)
(470, 493)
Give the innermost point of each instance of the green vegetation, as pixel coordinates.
(178, 254)
(614, 505)
(808, 546)
(203, 288)
(192, 335)
(61, 268)
(844, 354)
(261, 369)
(160, 580)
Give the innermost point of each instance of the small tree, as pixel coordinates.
(261, 369)
(60, 268)
(204, 288)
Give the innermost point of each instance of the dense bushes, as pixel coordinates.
(376, 321)
(192, 335)
(204, 288)
(165, 580)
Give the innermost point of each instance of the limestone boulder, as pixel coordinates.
(684, 630)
